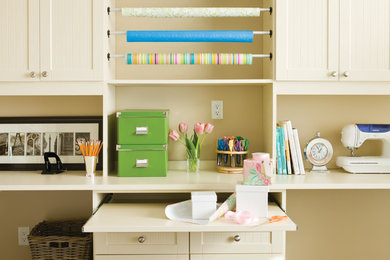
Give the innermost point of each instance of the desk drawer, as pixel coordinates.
(247, 242)
(119, 243)
(236, 257)
(141, 257)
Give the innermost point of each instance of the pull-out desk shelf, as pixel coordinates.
(128, 231)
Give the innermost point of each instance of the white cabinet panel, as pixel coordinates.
(71, 39)
(19, 40)
(141, 257)
(307, 39)
(237, 256)
(141, 243)
(365, 40)
(248, 242)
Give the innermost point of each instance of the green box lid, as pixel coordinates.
(143, 113)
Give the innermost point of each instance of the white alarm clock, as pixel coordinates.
(318, 152)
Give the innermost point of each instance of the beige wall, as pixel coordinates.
(26, 209)
(51, 106)
(329, 114)
(339, 225)
(242, 108)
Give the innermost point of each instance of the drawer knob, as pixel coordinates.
(45, 74)
(141, 239)
(333, 74)
(237, 238)
(33, 74)
(346, 74)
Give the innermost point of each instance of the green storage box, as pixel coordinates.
(143, 127)
(142, 160)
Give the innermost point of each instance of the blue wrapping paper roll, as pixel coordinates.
(189, 36)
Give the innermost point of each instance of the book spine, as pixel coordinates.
(287, 148)
(293, 151)
(299, 152)
(283, 150)
(278, 153)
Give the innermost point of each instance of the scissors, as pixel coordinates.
(222, 144)
(239, 145)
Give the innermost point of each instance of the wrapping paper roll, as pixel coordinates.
(189, 36)
(190, 12)
(189, 58)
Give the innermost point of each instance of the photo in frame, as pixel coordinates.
(24, 140)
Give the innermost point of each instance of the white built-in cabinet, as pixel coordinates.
(50, 40)
(332, 40)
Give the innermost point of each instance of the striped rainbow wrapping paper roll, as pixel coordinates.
(190, 12)
(189, 58)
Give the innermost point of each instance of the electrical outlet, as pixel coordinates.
(23, 232)
(217, 109)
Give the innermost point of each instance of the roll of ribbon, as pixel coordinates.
(190, 12)
(189, 36)
(189, 58)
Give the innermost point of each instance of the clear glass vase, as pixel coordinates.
(193, 165)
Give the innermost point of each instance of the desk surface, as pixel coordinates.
(179, 181)
(124, 217)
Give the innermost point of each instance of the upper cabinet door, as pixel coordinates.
(71, 37)
(19, 40)
(364, 40)
(307, 40)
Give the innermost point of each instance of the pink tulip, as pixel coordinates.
(199, 128)
(183, 127)
(174, 135)
(208, 128)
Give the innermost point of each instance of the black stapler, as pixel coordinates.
(52, 168)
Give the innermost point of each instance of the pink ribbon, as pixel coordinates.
(241, 217)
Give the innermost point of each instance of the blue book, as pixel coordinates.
(283, 150)
(278, 152)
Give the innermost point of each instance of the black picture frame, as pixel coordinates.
(53, 120)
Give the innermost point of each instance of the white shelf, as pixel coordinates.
(52, 88)
(191, 82)
(140, 217)
(179, 181)
(332, 88)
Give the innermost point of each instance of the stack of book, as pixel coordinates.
(289, 158)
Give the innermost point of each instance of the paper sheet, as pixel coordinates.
(182, 212)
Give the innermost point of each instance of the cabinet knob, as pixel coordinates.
(141, 239)
(45, 74)
(33, 74)
(237, 238)
(333, 74)
(346, 74)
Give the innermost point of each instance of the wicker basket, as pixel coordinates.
(60, 240)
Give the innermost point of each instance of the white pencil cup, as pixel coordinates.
(90, 165)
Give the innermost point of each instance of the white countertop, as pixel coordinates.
(179, 181)
(142, 217)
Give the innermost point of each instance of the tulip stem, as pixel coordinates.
(181, 141)
(202, 139)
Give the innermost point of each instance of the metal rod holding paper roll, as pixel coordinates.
(109, 32)
(189, 58)
(185, 12)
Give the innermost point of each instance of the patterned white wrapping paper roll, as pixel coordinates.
(190, 12)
